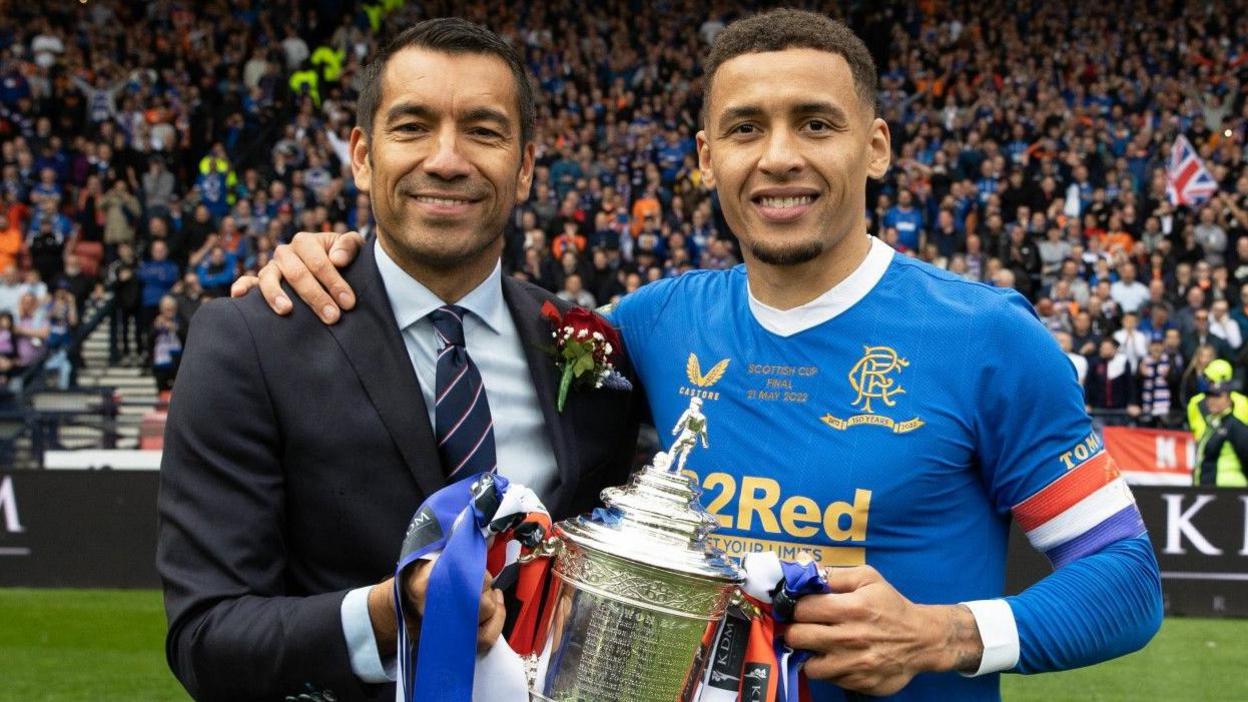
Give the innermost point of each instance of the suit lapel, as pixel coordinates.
(534, 333)
(370, 338)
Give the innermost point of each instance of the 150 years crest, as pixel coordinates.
(874, 378)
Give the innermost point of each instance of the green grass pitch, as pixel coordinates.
(105, 645)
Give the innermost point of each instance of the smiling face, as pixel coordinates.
(788, 144)
(444, 165)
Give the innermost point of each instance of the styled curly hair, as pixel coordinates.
(785, 28)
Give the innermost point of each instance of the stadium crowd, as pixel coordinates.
(155, 151)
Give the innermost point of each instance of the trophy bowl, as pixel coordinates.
(640, 589)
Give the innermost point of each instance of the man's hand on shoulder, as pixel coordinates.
(310, 263)
(867, 637)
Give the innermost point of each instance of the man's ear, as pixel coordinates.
(704, 159)
(524, 181)
(880, 147)
(361, 166)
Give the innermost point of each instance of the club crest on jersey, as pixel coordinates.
(874, 379)
(701, 382)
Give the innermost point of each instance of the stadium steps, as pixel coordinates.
(135, 388)
(136, 391)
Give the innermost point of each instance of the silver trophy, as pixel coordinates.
(640, 590)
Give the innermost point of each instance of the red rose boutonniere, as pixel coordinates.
(585, 345)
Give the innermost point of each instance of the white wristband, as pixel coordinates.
(999, 633)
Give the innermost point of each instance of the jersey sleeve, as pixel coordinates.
(1043, 463)
(1030, 422)
(1098, 607)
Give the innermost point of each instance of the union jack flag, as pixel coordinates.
(1188, 182)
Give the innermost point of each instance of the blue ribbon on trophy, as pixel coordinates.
(800, 579)
(451, 521)
(772, 588)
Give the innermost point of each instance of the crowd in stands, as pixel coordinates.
(155, 151)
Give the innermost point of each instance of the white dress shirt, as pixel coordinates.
(1129, 296)
(521, 443)
(1226, 329)
(1133, 345)
(1081, 366)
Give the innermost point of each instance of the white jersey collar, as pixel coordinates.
(835, 301)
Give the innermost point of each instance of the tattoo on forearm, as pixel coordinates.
(964, 641)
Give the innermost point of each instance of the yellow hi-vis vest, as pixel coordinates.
(210, 163)
(329, 60)
(309, 80)
(1195, 418)
(373, 12)
(1230, 471)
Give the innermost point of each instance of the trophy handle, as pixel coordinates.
(551, 547)
(742, 601)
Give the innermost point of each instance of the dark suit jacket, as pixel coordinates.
(295, 455)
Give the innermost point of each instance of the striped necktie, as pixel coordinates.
(463, 427)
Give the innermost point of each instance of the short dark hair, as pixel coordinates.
(451, 35)
(785, 28)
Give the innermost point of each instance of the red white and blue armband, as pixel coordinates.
(1103, 599)
(1081, 512)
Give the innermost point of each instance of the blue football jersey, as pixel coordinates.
(899, 433)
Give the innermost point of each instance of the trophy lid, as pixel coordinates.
(657, 518)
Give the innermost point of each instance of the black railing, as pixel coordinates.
(39, 413)
(35, 377)
(56, 410)
(1122, 418)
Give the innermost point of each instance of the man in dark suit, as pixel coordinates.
(296, 453)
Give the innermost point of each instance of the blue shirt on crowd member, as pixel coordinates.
(217, 276)
(671, 156)
(212, 188)
(157, 278)
(908, 221)
(63, 226)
